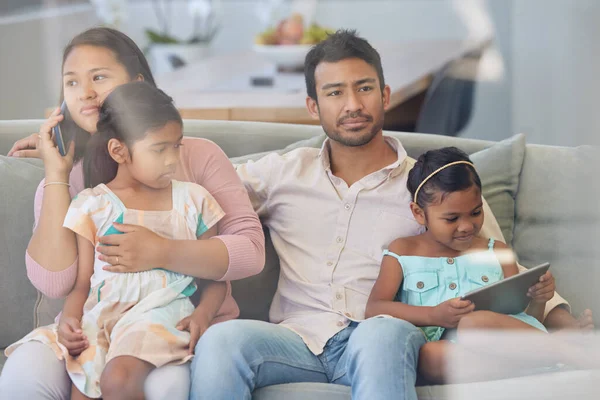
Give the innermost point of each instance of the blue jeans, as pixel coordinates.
(377, 358)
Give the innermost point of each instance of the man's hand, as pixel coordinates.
(136, 249)
(71, 336)
(196, 324)
(449, 313)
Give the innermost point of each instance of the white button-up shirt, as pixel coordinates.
(329, 237)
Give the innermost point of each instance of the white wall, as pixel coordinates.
(556, 63)
(31, 54)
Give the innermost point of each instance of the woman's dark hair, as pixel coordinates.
(452, 179)
(128, 113)
(339, 46)
(126, 52)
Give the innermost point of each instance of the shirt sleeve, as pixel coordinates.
(205, 210)
(81, 215)
(256, 176)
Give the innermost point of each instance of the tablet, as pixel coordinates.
(508, 296)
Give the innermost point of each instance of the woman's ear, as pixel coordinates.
(139, 78)
(118, 151)
(418, 213)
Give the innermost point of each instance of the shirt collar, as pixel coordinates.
(388, 170)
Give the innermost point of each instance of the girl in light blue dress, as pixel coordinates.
(423, 277)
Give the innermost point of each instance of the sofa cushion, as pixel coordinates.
(18, 181)
(558, 219)
(499, 168)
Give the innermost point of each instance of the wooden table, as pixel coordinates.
(218, 88)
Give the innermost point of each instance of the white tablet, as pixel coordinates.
(508, 296)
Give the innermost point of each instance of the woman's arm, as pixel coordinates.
(239, 250)
(52, 251)
(236, 253)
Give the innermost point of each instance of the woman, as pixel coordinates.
(95, 62)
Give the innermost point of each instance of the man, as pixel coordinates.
(331, 212)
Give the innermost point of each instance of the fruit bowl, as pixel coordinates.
(285, 56)
(287, 43)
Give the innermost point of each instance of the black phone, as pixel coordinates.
(62, 139)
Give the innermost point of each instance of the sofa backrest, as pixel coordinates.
(550, 226)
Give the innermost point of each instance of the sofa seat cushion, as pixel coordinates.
(559, 385)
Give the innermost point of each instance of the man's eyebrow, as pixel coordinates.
(333, 85)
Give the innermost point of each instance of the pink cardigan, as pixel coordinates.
(203, 162)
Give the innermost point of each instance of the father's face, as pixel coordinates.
(351, 105)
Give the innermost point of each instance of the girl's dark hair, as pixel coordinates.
(128, 113)
(341, 45)
(452, 179)
(126, 52)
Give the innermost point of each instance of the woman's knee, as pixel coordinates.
(34, 372)
(171, 382)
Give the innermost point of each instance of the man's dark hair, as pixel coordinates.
(339, 46)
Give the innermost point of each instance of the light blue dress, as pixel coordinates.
(429, 281)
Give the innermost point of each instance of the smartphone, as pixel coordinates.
(62, 140)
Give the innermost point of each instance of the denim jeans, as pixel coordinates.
(377, 358)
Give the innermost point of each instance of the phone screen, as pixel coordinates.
(62, 142)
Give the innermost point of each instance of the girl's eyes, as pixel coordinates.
(454, 219)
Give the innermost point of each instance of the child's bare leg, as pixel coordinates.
(433, 360)
(559, 319)
(124, 377)
(77, 395)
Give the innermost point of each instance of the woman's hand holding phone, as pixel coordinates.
(57, 167)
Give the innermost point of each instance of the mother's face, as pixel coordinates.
(90, 73)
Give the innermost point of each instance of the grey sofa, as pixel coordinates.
(545, 199)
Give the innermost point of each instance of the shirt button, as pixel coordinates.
(338, 296)
(347, 206)
(452, 286)
(339, 239)
(485, 279)
(340, 323)
(329, 263)
(420, 285)
(450, 260)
